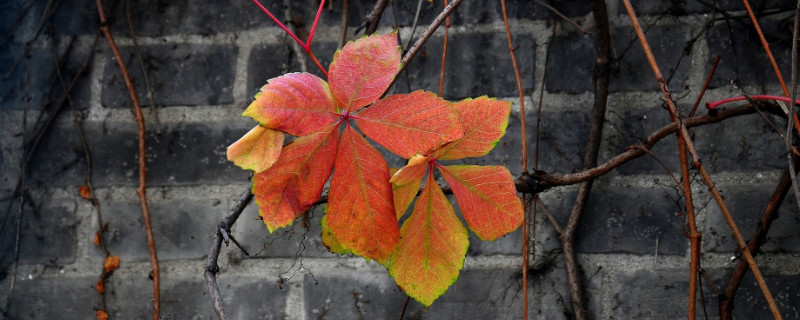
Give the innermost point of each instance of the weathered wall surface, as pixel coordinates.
(206, 60)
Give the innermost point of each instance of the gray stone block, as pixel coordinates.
(301, 239)
(179, 74)
(184, 153)
(750, 302)
(47, 232)
(684, 7)
(156, 18)
(742, 52)
(479, 12)
(615, 221)
(746, 203)
(61, 297)
(480, 65)
(571, 65)
(656, 294)
(182, 228)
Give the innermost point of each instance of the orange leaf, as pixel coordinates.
(289, 188)
(296, 103)
(329, 239)
(100, 286)
(85, 192)
(409, 124)
(363, 70)
(111, 264)
(101, 315)
(406, 182)
(360, 208)
(432, 247)
(257, 150)
(96, 239)
(484, 122)
(487, 198)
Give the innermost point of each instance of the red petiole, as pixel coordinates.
(715, 104)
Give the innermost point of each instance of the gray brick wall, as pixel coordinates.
(206, 60)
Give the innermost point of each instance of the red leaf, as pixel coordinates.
(257, 150)
(432, 247)
(363, 70)
(85, 192)
(360, 209)
(487, 198)
(296, 103)
(484, 122)
(295, 182)
(409, 124)
(406, 182)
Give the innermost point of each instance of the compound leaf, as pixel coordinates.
(360, 208)
(294, 183)
(257, 150)
(409, 124)
(484, 121)
(296, 103)
(432, 247)
(487, 198)
(363, 70)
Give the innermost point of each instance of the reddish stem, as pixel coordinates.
(715, 104)
(307, 44)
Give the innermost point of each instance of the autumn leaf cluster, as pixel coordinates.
(365, 202)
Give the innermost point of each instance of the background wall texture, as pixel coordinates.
(205, 61)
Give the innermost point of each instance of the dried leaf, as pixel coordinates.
(96, 239)
(101, 315)
(111, 264)
(85, 192)
(100, 286)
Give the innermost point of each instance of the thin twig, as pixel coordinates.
(524, 161)
(792, 111)
(757, 239)
(541, 97)
(211, 267)
(705, 85)
(145, 77)
(696, 162)
(405, 306)
(444, 52)
(374, 16)
(49, 9)
(414, 25)
(343, 25)
(562, 16)
(141, 191)
(14, 25)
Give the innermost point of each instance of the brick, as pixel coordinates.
(480, 12)
(130, 296)
(477, 294)
(196, 220)
(288, 242)
(571, 64)
(684, 7)
(742, 144)
(750, 302)
(184, 153)
(179, 74)
(753, 66)
(44, 297)
(269, 61)
(656, 294)
(472, 68)
(746, 203)
(47, 232)
(626, 222)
